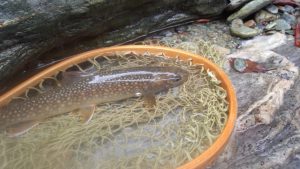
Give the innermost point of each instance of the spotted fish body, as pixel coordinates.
(92, 89)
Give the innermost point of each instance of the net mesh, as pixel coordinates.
(184, 123)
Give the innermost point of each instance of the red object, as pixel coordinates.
(202, 20)
(297, 35)
(286, 2)
(246, 66)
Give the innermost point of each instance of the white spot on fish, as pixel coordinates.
(138, 94)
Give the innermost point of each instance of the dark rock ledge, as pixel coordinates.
(29, 28)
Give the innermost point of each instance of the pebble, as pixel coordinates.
(239, 65)
(272, 9)
(250, 23)
(289, 9)
(238, 29)
(289, 32)
(291, 19)
(181, 29)
(282, 25)
(248, 9)
(270, 26)
(166, 33)
(264, 16)
(260, 26)
(271, 32)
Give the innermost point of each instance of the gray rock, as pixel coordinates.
(234, 4)
(260, 26)
(199, 7)
(289, 9)
(30, 29)
(270, 32)
(238, 29)
(289, 32)
(166, 33)
(270, 26)
(272, 9)
(264, 16)
(291, 19)
(249, 9)
(282, 25)
(266, 146)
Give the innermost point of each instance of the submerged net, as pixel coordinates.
(191, 44)
(126, 134)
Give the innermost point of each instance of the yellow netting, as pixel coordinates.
(185, 121)
(193, 44)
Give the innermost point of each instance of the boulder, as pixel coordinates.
(30, 29)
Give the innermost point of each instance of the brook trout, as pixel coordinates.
(83, 91)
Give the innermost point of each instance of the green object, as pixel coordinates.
(248, 9)
(239, 64)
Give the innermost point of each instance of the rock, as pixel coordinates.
(289, 9)
(264, 42)
(291, 19)
(282, 25)
(270, 26)
(265, 132)
(237, 28)
(289, 32)
(270, 32)
(181, 29)
(234, 4)
(166, 33)
(272, 9)
(250, 23)
(199, 7)
(249, 9)
(287, 2)
(260, 26)
(264, 16)
(31, 29)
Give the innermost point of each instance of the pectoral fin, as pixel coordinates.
(21, 128)
(149, 100)
(86, 113)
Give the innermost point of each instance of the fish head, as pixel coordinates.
(170, 77)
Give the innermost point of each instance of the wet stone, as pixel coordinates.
(240, 65)
(181, 29)
(270, 32)
(270, 26)
(291, 19)
(289, 9)
(248, 9)
(238, 29)
(264, 16)
(272, 9)
(282, 25)
(250, 23)
(166, 33)
(260, 26)
(289, 32)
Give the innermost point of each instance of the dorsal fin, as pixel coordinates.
(73, 76)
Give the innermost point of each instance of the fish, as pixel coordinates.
(81, 92)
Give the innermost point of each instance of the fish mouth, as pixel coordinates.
(180, 77)
(184, 74)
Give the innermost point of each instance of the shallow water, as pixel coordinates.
(185, 121)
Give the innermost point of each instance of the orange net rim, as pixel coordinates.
(200, 161)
